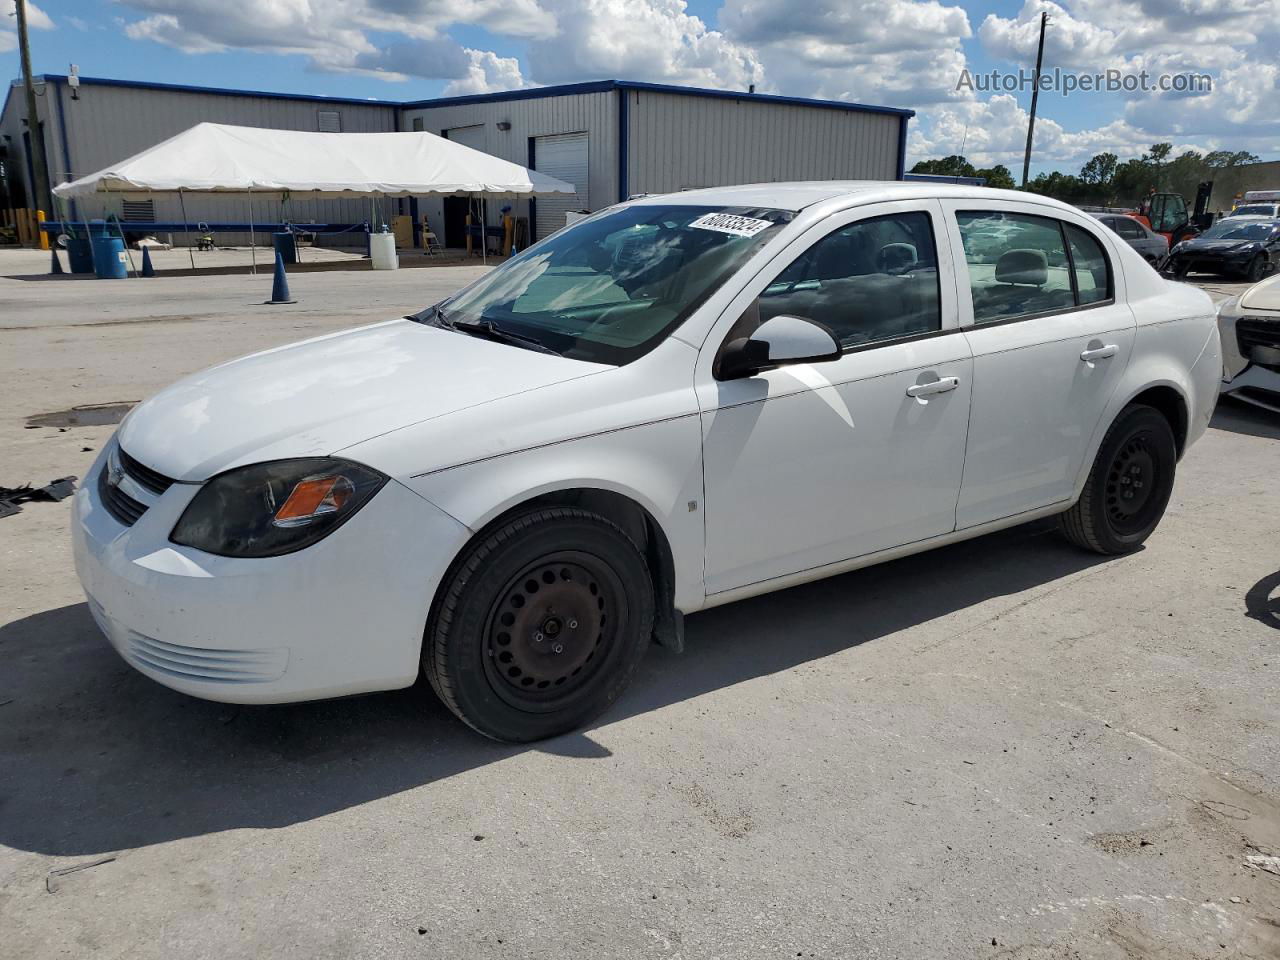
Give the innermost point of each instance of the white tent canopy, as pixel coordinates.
(218, 158)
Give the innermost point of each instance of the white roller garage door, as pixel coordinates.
(472, 137)
(563, 156)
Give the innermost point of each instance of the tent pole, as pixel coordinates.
(182, 202)
(253, 249)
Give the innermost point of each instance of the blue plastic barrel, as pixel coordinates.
(286, 246)
(79, 254)
(109, 259)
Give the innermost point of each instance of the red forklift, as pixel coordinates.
(1166, 214)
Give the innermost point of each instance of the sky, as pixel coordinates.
(907, 53)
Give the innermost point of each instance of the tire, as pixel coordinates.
(540, 624)
(1257, 268)
(1129, 485)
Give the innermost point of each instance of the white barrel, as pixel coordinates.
(382, 251)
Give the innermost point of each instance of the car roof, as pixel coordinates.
(798, 195)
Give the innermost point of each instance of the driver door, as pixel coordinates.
(812, 464)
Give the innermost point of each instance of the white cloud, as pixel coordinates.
(335, 35)
(486, 73)
(900, 52)
(37, 19)
(653, 40)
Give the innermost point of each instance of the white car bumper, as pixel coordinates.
(342, 616)
(1256, 385)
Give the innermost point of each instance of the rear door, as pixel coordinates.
(1043, 309)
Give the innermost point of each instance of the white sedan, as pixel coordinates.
(678, 402)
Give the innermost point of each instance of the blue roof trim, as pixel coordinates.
(534, 93)
(218, 91)
(764, 98)
(604, 86)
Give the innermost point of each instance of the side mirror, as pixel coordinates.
(779, 341)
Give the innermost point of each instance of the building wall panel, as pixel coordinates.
(677, 142)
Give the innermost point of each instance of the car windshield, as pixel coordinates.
(610, 288)
(1256, 210)
(1226, 230)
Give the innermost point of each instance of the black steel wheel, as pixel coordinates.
(1129, 485)
(540, 624)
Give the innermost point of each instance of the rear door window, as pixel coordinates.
(1021, 265)
(1017, 264)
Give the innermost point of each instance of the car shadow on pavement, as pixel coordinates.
(1240, 417)
(96, 758)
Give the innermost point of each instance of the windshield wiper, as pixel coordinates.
(432, 317)
(489, 329)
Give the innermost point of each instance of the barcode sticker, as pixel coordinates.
(731, 223)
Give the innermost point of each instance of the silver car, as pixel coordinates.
(1250, 327)
(1153, 246)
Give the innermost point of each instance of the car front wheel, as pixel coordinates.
(540, 625)
(1129, 485)
(1257, 268)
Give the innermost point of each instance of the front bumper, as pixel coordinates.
(343, 616)
(1257, 385)
(1193, 263)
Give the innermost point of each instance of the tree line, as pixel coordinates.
(1107, 182)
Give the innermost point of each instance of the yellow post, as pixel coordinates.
(508, 228)
(42, 237)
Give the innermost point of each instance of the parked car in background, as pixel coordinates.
(675, 403)
(1255, 210)
(1153, 247)
(1258, 203)
(1250, 328)
(1248, 247)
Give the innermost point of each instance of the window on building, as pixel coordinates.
(328, 121)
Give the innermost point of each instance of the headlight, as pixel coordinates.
(273, 508)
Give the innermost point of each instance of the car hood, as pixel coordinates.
(1214, 246)
(318, 396)
(1263, 296)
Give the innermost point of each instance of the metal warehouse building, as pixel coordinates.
(611, 139)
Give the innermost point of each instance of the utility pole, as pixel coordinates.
(1035, 95)
(39, 165)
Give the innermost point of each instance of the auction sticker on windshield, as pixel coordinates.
(731, 223)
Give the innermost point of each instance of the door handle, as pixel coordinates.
(1100, 353)
(941, 385)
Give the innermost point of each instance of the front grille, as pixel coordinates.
(144, 476)
(206, 663)
(118, 503)
(1257, 332)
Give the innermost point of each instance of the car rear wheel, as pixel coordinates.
(1129, 485)
(540, 625)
